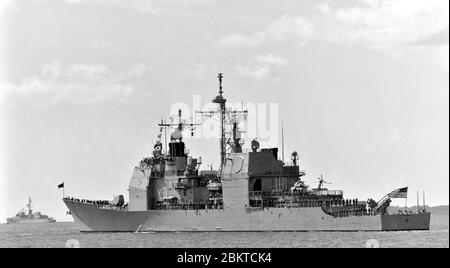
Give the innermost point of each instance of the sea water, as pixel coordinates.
(66, 234)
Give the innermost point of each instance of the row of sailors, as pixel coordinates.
(87, 201)
(349, 211)
(94, 202)
(342, 202)
(317, 203)
(187, 206)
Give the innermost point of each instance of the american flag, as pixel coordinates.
(399, 193)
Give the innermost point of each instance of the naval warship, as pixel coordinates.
(252, 190)
(30, 217)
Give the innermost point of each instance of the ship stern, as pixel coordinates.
(406, 222)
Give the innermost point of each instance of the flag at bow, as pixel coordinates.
(61, 185)
(399, 193)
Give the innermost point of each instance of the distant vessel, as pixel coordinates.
(30, 217)
(253, 190)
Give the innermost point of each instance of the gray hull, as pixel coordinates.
(406, 222)
(90, 218)
(27, 221)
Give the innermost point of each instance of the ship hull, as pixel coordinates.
(406, 222)
(90, 218)
(27, 221)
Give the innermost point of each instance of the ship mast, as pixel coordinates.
(30, 211)
(282, 142)
(180, 126)
(219, 99)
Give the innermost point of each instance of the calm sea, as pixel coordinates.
(57, 234)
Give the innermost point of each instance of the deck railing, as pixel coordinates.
(102, 204)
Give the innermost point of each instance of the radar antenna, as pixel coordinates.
(177, 128)
(321, 182)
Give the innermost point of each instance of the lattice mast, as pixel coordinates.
(177, 129)
(223, 112)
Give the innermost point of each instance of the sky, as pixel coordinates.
(361, 86)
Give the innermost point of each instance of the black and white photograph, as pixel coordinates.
(224, 124)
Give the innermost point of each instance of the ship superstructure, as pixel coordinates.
(29, 216)
(253, 190)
